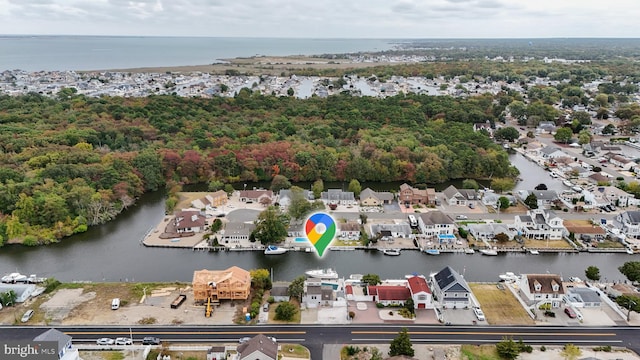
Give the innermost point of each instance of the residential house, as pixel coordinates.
(260, 196)
(296, 229)
(349, 230)
(461, 197)
(285, 196)
(389, 294)
(229, 284)
(582, 297)
(338, 197)
(434, 223)
(402, 230)
(622, 162)
(211, 201)
(280, 291)
(489, 231)
(491, 199)
(546, 127)
(316, 293)
(369, 197)
(552, 152)
(216, 353)
(598, 178)
(546, 198)
(412, 196)
(420, 292)
(486, 126)
(581, 231)
(608, 195)
(540, 224)
(190, 221)
(234, 232)
(450, 289)
(259, 347)
(630, 221)
(64, 345)
(536, 289)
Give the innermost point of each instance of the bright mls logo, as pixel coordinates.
(320, 229)
(29, 350)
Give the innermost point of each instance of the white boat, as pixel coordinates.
(630, 251)
(509, 277)
(33, 279)
(567, 183)
(14, 278)
(391, 252)
(553, 174)
(576, 188)
(274, 250)
(488, 252)
(534, 252)
(432, 251)
(322, 273)
(469, 251)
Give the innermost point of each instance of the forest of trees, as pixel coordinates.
(72, 162)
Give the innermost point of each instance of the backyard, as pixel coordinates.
(500, 306)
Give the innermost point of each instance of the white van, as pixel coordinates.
(115, 304)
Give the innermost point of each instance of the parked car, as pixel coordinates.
(272, 339)
(570, 313)
(461, 217)
(549, 313)
(244, 340)
(150, 340)
(124, 341)
(105, 341)
(27, 316)
(479, 313)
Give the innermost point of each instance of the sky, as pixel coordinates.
(324, 18)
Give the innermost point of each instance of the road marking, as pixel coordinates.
(177, 333)
(450, 341)
(482, 333)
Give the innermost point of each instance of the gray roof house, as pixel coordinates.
(337, 196)
(280, 291)
(234, 232)
(394, 230)
(434, 223)
(285, 195)
(64, 343)
(259, 347)
(450, 289)
(630, 223)
(462, 197)
(23, 291)
(370, 197)
(552, 152)
(546, 198)
(582, 297)
(489, 231)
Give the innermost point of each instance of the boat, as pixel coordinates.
(567, 183)
(630, 251)
(488, 252)
(274, 250)
(391, 252)
(14, 278)
(509, 276)
(432, 251)
(469, 251)
(534, 252)
(553, 174)
(576, 188)
(322, 273)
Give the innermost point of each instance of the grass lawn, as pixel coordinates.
(610, 245)
(295, 351)
(339, 242)
(541, 244)
(500, 306)
(479, 352)
(294, 320)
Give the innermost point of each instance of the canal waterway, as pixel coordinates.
(113, 252)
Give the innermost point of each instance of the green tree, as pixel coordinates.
(410, 305)
(149, 163)
(502, 184)
(228, 188)
(610, 129)
(470, 184)
(290, 92)
(401, 345)
(508, 133)
(280, 182)
(531, 201)
(216, 225)
(317, 188)
(8, 298)
(354, 187)
(271, 226)
(584, 137)
(592, 273)
(541, 186)
(582, 117)
(215, 185)
(296, 288)
(508, 349)
(260, 279)
(299, 206)
(563, 135)
(285, 311)
(570, 352)
(501, 237)
(631, 269)
(371, 279)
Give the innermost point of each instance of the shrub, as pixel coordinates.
(271, 300)
(379, 305)
(352, 350)
(543, 348)
(352, 315)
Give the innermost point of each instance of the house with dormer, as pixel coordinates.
(190, 221)
(461, 197)
(338, 197)
(540, 224)
(486, 126)
(541, 288)
(370, 197)
(409, 195)
(450, 289)
(434, 223)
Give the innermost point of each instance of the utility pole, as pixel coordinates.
(629, 312)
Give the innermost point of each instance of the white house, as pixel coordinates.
(190, 221)
(420, 292)
(349, 230)
(489, 231)
(316, 294)
(552, 152)
(65, 348)
(450, 289)
(338, 197)
(541, 288)
(434, 223)
(234, 232)
(540, 224)
(461, 197)
(630, 221)
(545, 198)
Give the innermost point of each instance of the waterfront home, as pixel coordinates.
(389, 294)
(540, 224)
(582, 297)
(599, 179)
(491, 199)
(488, 232)
(349, 230)
(234, 232)
(546, 127)
(450, 289)
(233, 283)
(402, 230)
(486, 126)
(285, 195)
(552, 152)
(622, 162)
(462, 197)
(536, 289)
(420, 292)
(630, 221)
(545, 198)
(316, 293)
(412, 196)
(190, 221)
(64, 345)
(370, 197)
(585, 232)
(280, 291)
(260, 196)
(338, 197)
(211, 201)
(608, 195)
(434, 223)
(258, 347)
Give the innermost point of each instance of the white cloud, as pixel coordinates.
(323, 18)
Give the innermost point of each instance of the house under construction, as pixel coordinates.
(215, 285)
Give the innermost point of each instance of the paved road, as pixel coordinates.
(315, 336)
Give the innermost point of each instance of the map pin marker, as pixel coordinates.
(320, 229)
